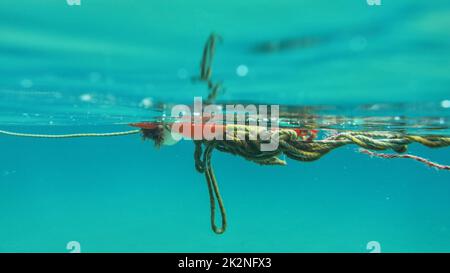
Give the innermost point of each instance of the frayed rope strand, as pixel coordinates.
(414, 157)
(123, 133)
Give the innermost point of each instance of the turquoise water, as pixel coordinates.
(101, 65)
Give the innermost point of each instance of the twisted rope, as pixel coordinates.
(214, 192)
(414, 157)
(206, 68)
(238, 142)
(204, 166)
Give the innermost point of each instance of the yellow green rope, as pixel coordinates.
(299, 150)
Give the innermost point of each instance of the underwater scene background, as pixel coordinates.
(100, 65)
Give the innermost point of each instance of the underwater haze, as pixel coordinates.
(103, 64)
